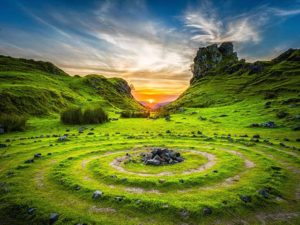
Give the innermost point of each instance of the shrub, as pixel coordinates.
(76, 115)
(96, 115)
(72, 116)
(135, 114)
(12, 122)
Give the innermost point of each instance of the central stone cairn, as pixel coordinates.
(161, 156)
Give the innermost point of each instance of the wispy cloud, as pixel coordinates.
(211, 29)
(284, 12)
(208, 26)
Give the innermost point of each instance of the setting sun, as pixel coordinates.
(151, 100)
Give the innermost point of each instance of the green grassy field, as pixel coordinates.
(221, 168)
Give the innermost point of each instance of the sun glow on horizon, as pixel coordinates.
(154, 96)
(151, 100)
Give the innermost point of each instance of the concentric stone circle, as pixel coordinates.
(231, 176)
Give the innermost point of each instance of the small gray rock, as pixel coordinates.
(245, 198)
(153, 162)
(264, 192)
(62, 138)
(184, 213)
(29, 161)
(119, 198)
(207, 211)
(53, 218)
(97, 194)
(38, 155)
(31, 211)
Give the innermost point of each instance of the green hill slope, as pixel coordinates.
(223, 80)
(40, 88)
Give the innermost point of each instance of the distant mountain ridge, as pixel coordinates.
(40, 88)
(154, 106)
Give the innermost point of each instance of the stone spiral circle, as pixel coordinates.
(84, 180)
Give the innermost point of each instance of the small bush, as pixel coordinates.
(135, 114)
(89, 116)
(12, 122)
(72, 116)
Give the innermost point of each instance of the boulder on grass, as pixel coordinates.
(53, 218)
(97, 194)
(62, 138)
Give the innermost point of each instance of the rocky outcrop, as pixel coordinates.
(209, 57)
(123, 87)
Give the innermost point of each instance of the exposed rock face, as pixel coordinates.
(123, 87)
(209, 57)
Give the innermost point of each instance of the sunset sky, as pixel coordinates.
(150, 43)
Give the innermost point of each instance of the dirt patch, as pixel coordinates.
(95, 209)
(248, 163)
(39, 179)
(232, 180)
(84, 162)
(141, 190)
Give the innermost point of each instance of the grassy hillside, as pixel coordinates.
(272, 84)
(40, 88)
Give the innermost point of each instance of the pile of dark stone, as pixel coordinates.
(161, 156)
